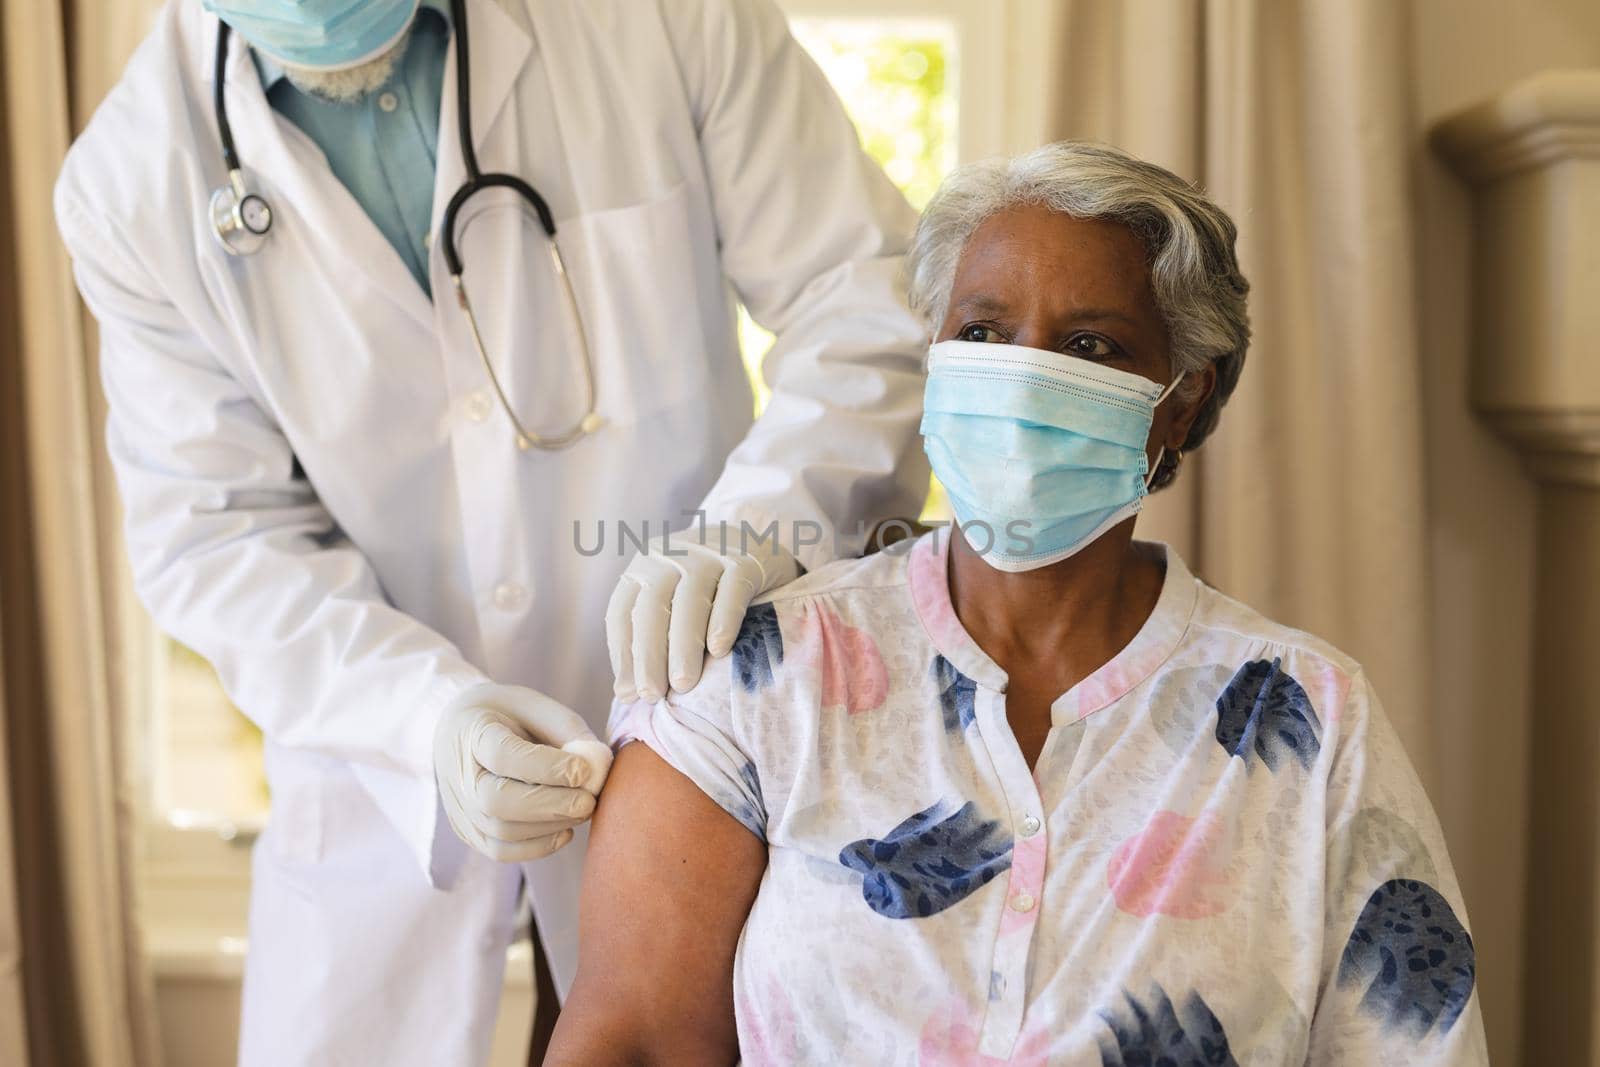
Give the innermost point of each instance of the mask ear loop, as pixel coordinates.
(1161, 453)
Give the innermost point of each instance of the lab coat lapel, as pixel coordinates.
(306, 196)
(499, 50)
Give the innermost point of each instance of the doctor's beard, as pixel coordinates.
(351, 85)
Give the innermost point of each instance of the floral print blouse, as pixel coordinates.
(1222, 855)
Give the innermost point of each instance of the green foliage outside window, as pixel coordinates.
(896, 88)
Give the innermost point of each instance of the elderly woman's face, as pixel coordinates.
(1080, 287)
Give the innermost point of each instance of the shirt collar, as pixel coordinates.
(272, 72)
(1152, 646)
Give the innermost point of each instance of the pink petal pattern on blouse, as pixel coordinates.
(950, 1038)
(1173, 866)
(847, 658)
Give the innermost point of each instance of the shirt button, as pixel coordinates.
(508, 595)
(388, 101)
(1030, 826)
(477, 406)
(427, 239)
(1023, 902)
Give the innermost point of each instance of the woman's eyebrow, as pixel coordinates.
(983, 304)
(1099, 315)
(988, 304)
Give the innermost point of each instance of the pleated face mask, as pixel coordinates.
(1040, 452)
(318, 34)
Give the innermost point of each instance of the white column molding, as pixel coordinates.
(1532, 158)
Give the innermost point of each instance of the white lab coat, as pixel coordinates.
(323, 501)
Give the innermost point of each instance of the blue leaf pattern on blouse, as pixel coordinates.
(1265, 709)
(957, 694)
(1414, 956)
(758, 650)
(931, 861)
(1152, 1031)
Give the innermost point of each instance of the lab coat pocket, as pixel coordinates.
(648, 281)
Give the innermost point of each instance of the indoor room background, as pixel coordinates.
(1403, 515)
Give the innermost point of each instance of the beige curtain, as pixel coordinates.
(13, 1002)
(85, 986)
(1310, 503)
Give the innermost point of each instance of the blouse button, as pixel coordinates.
(388, 101)
(1023, 902)
(1030, 826)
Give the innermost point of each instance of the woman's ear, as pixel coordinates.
(1189, 405)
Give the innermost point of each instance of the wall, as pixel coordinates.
(1480, 503)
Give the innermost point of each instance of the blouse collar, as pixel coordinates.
(929, 578)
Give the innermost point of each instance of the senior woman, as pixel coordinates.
(1030, 793)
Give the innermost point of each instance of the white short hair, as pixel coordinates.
(1189, 241)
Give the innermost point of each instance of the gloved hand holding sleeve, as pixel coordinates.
(678, 601)
(516, 771)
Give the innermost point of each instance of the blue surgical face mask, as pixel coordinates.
(1040, 452)
(318, 34)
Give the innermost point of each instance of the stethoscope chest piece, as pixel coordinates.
(241, 220)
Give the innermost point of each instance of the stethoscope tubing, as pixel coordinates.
(476, 182)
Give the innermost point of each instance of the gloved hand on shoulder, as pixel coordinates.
(678, 601)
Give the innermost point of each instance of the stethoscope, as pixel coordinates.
(242, 220)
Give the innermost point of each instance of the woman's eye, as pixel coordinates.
(978, 333)
(1092, 346)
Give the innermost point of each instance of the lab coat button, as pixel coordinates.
(507, 595)
(1023, 902)
(478, 407)
(1030, 826)
(388, 101)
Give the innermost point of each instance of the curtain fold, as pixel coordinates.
(86, 984)
(1308, 503)
(13, 1000)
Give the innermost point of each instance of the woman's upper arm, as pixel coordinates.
(667, 885)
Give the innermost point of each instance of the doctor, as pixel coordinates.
(369, 519)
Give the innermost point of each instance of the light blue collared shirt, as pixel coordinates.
(383, 147)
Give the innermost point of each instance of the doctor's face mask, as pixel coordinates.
(319, 35)
(1045, 452)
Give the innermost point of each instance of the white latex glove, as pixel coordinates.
(668, 611)
(516, 771)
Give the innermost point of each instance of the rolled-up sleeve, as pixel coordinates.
(695, 733)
